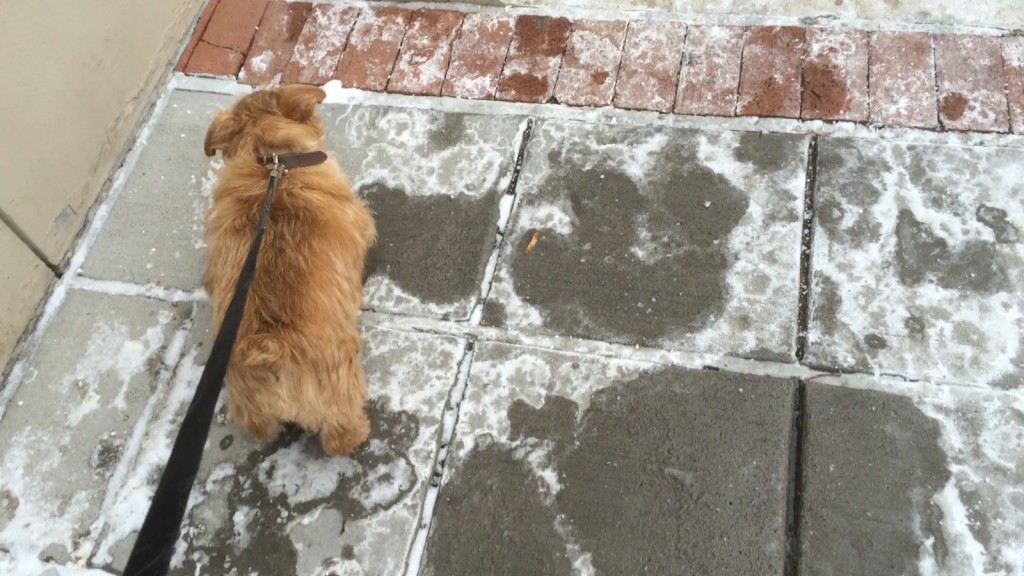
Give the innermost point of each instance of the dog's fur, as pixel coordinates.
(297, 355)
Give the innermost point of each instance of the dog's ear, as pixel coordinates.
(219, 134)
(298, 102)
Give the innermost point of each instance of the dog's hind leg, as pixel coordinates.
(250, 404)
(344, 424)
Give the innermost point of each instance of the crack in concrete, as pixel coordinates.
(806, 243)
(794, 488)
(414, 557)
(504, 218)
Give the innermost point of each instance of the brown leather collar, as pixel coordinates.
(294, 159)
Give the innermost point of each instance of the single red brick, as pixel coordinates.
(423, 59)
(836, 75)
(272, 49)
(1013, 65)
(372, 48)
(770, 80)
(902, 72)
(320, 44)
(213, 60)
(478, 55)
(533, 59)
(972, 87)
(591, 63)
(197, 33)
(234, 23)
(651, 59)
(710, 76)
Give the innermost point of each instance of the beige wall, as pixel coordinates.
(77, 77)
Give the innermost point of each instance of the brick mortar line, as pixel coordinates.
(553, 99)
(195, 34)
(232, 50)
(683, 61)
(451, 54)
(344, 46)
(398, 53)
(252, 40)
(939, 123)
(804, 56)
(869, 59)
(1006, 83)
(739, 76)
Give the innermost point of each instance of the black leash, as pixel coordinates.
(154, 547)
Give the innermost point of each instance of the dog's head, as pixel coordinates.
(275, 120)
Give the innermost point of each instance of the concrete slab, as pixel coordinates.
(564, 463)
(663, 237)
(917, 262)
(282, 507)
(154, 233)
(68, 428)
(434, 181)
(895, 485)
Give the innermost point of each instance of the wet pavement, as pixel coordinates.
(593, 346)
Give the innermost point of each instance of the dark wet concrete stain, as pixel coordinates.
(494, 313)
(997, 221)
(556, 420)
(765, 152)
(450, 132)
(490, 520)
(922, 256)
(875, 342)
(675, 472)
(827, 303)
(106, 455)
(841, 179)
(651, 462)
(872, 464)
(269, 549)
(915, 325)
(8, 506)
(434, 247)
(590, 283)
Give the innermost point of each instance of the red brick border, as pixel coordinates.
(939, 82)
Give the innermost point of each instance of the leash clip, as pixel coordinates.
(277, 169)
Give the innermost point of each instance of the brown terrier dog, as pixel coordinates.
(297, 354)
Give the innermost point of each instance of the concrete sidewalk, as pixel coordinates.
(599, 342)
